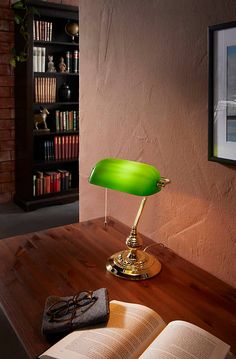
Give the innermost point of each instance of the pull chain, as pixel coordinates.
(105, 209)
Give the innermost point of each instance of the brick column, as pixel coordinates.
(7, 125)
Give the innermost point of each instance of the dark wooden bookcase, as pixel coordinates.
(30, 155)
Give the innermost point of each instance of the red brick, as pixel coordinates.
(5, 48)
(7, 145)
(11, 26)
(5, 3)
(8, 166)
(6, 81)
(12, 155)
(6, 36)
(7, 187)
(5, 155)
(7, 14)
(6, 124)
(6, 177)
(4, 25)
(6, 114)
(13, 134)
(6, 197)
(6, 91)
(7, 103)
(6, 69)
(5, 58)
(5, 135)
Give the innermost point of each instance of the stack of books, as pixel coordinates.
(51, 182)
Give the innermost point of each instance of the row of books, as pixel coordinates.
(72, 61)
(42, 30)
(45, 89)
(39, 54)
(67, 120)
(61, 148)
(51, 182)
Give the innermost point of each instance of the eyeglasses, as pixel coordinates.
(60, 310)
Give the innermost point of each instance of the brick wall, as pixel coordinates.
(7, 110)
(7, 126)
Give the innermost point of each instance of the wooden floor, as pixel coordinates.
(62, 261)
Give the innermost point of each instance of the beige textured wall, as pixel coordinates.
(143, 96)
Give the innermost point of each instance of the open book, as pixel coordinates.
(136, 331)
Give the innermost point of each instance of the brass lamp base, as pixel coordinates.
(133, 265)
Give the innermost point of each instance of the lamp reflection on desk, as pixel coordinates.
(140, 179)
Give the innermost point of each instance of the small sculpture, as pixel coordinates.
(51, 67)
(62, 65)
(40, 118)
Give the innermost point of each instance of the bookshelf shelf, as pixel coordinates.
(46, 200)
(56, 43)
(55, 74)
(47, 165)
(61, 194)
(43, 164)
(53, 104)
(36, 106)
(49, 133)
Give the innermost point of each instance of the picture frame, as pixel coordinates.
(222, 93)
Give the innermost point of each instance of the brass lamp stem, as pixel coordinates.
(133, 263)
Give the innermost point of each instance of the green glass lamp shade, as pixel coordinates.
(132, 177)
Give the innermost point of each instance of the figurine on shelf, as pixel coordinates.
(62, 65)
(51, 67)
(40, 119)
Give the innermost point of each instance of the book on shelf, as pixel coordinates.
(66, 147)
(39, 54)
(136, 331)
(42, 30)
(66, 120)
(51, 182)
(45, 89)
(60, 148)
(49, 152)
(76, 61)
(72, 61)
(68, 61)
(65, 179)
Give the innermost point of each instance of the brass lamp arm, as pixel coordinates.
(138, 215)
(163, 182)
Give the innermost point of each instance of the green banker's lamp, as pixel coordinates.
(139, 179)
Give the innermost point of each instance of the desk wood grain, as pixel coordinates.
(64, 260)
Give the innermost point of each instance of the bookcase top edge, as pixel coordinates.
(50, 5)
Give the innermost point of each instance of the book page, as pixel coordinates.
(182, 340)
(130, 329)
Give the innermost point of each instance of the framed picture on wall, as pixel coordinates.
(222, 93)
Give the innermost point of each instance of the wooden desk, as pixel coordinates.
(65, 260)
